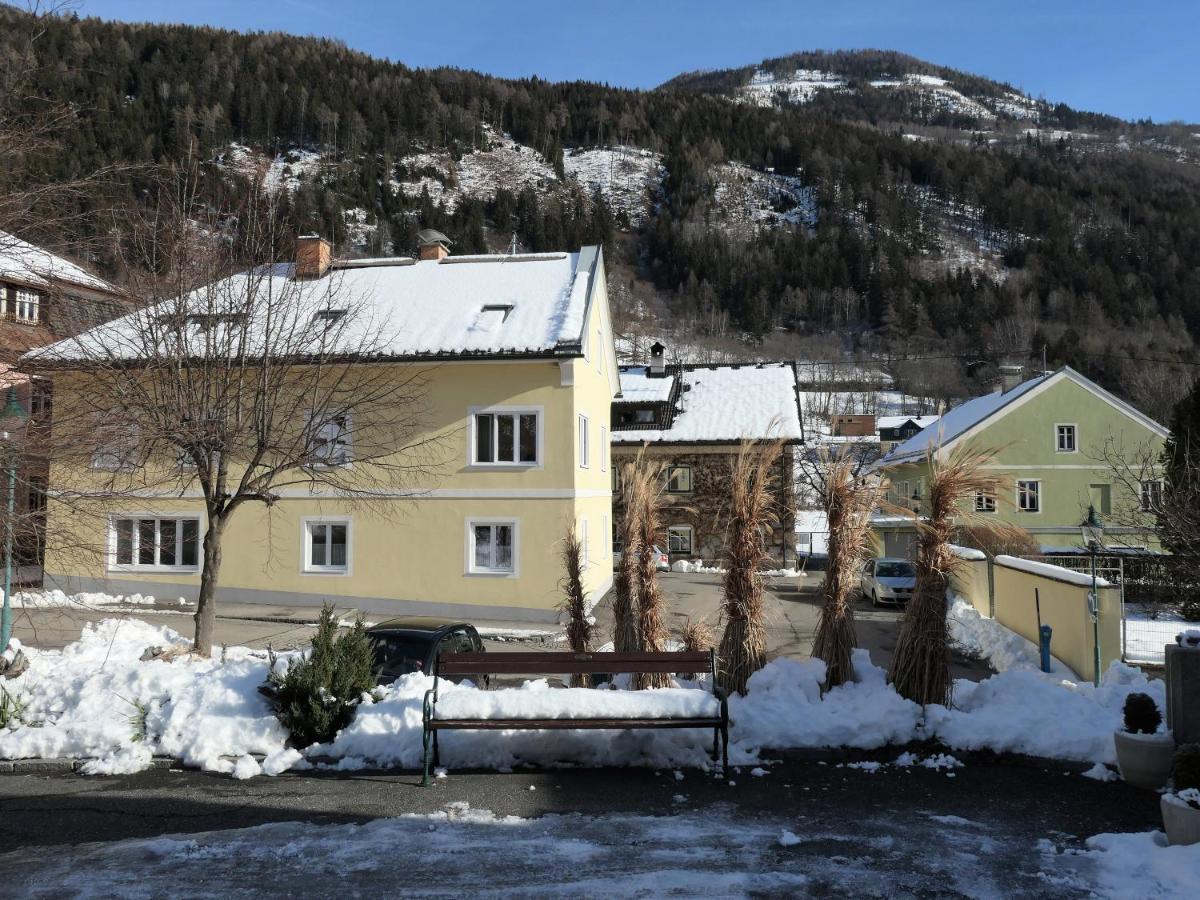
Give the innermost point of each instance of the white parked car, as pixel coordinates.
(663, 564)
(887, 580)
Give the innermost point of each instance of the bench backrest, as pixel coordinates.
(570, 663)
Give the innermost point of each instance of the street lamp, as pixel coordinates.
(12, 435)
(1092, 530)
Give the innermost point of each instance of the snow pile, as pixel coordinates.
(695, 567)
(1134, 865)
(55, 598)
(96, 698)
(535, 699)
(983, 638)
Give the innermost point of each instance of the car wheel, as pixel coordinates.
(875, 599)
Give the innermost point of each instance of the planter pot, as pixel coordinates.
(1180, 821)
(1145, 759)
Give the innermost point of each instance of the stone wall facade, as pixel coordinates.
(705, 508)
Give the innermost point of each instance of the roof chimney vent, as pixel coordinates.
(1010, 376)
(314, 255)
(432, 245)
(657, 360)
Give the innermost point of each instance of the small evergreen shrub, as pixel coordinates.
(1141, 714)
(317, 695)
(1185, 768)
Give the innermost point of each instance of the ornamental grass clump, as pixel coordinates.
(574, 604)
(848, 500)
(625, 582)
(920, 669)
(1141, 714)
(316, 696)
(696, 636)
(752, 511)
(651, 605)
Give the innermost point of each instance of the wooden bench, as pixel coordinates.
(569, 663)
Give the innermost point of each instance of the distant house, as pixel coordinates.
(44, 297)
(694, 419)
(894, 430)
(1049, 434)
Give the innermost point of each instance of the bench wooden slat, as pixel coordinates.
(567, 663)
(570, 724)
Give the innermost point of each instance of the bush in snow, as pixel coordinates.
(316, 696)
(574, 605)
(1185, 771)
(751, 512)
(1141, 714)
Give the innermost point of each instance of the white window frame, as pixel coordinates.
(26, 305)
(691, 476)
(691, 539)
(1037, 493)
(473, 437)
(1144, 492)
(316, 424)
(603, 448)
(985, 502)
(156, 517)
(122, 451)
(306, 564)
(585, 425)
(1058, 437)
(469, 548)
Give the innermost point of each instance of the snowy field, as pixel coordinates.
(695, 852)
(1146, 638)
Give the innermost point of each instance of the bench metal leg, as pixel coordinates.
(425, 756)
(716, 754)
(725, 750)
(437, 757)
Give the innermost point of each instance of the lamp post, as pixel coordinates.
(1092, 530)
(12, 423)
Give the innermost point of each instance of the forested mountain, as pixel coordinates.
(861, 201)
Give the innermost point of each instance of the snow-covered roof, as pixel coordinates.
(897, 421)
(963, 418)
(639, 386)
(521, 305)
(28, 264)
(728, 403)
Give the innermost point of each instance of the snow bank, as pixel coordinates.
(695, 567)
(984, 638)
(1137, 865)
(56, 598)
(96, 698)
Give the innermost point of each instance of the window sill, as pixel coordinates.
(503, 467)
(485, 573)
(330, 570)
(155, 570)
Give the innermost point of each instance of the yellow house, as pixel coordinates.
(517, 356)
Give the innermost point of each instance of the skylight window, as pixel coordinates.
(493, 311)
(328, 316)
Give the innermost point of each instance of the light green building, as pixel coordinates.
(1063, 444)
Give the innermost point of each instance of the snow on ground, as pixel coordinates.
(766, 88)
(53, 598)
(284, 172)
(625, 176)
(1146, 638)
(709, 852)
(97, 698)
(938, 93)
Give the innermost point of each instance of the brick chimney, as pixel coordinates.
(314, 255)
(432, 245)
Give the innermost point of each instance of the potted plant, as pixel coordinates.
(1181, 805)
(1144, 753)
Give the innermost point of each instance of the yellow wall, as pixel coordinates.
(1063, 607)
(407, 552)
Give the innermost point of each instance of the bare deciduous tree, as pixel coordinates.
(239, 382)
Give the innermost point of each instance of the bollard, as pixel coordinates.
(1044, 634)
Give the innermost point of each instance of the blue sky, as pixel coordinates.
(1133, 58)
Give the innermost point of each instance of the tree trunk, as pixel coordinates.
(206, 604)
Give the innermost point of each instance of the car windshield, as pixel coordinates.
(397, 654)
(894, 570)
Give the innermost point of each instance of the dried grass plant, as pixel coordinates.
(920, 669)
(696, 636)
(574, 604)
(752, 511)
(848, 499)
(625, 582)
(652, 628)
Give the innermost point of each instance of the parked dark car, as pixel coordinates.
(407, 645)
